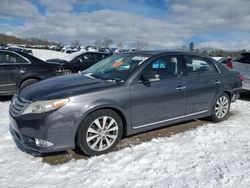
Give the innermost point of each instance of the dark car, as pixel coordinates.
(19, 49)
(18, 69)
(124, 94)
(79, 61)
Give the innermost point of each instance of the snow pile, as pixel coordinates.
(214, 155)
(217, 58)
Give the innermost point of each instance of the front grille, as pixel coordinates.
(18, 105)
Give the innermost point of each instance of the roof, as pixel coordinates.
(153, 52)
(69, 57)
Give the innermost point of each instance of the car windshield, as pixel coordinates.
(116, 67)
(69, 57)
(221, 60)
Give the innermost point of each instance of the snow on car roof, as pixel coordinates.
(69, 57)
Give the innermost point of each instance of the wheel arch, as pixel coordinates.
(28, 78)
(109, 107)
(228, 92)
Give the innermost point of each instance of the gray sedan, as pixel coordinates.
(124, 94)
(242, 65)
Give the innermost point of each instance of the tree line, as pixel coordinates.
(107, 42)
(6, 39)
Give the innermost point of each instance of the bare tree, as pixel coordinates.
(119, 45)
(184, 48)
(141, 45)
(98, 43)
(106, 42)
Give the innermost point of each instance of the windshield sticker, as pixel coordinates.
(120, 59)
(117, 64)
(139, 58)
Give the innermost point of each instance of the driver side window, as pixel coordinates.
(10, 58)
(166, 67)
(85, 58)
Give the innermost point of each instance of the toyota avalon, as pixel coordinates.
(124, 94)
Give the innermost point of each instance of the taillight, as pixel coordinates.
(230, 64)
(241, 77)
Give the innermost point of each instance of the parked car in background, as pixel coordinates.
(18, 70)
(79, 61)
(242, 65)
(18, 49)
(124, 94)
(227, 61)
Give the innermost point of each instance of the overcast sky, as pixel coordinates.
(163, 23)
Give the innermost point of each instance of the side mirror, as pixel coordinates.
(150, 76)
(79, 60)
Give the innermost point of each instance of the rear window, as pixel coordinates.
(244, 58)
(198, 66)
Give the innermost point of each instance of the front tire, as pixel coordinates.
(220, 111)
(99, 133)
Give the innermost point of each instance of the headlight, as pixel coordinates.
(45, 106)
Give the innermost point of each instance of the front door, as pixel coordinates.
(161, 100)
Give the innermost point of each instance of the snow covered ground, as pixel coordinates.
(213, 155)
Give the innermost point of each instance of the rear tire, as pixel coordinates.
(27, 83)
(67, 71)
(221, 107)
(99, 132)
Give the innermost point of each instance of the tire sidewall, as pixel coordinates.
(67, 71)
(27, 83)
(81, 141)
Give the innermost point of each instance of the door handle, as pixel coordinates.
(180, 88)
(217, 82)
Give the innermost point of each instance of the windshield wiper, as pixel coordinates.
(96, 76)
(116, 80)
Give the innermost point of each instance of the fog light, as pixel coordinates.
(43, 143)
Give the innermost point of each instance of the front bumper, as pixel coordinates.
(53, 127)
(246, 85)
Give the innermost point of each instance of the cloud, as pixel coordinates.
(218, 23)
(89, 26)
(212, 15)
(14, 8)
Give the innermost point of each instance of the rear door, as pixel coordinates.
(203, 80)
(11, 65)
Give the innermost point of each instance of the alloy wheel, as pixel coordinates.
(221, 107)
(102, 133)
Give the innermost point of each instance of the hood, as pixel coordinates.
(56, 61)
(62, 87)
